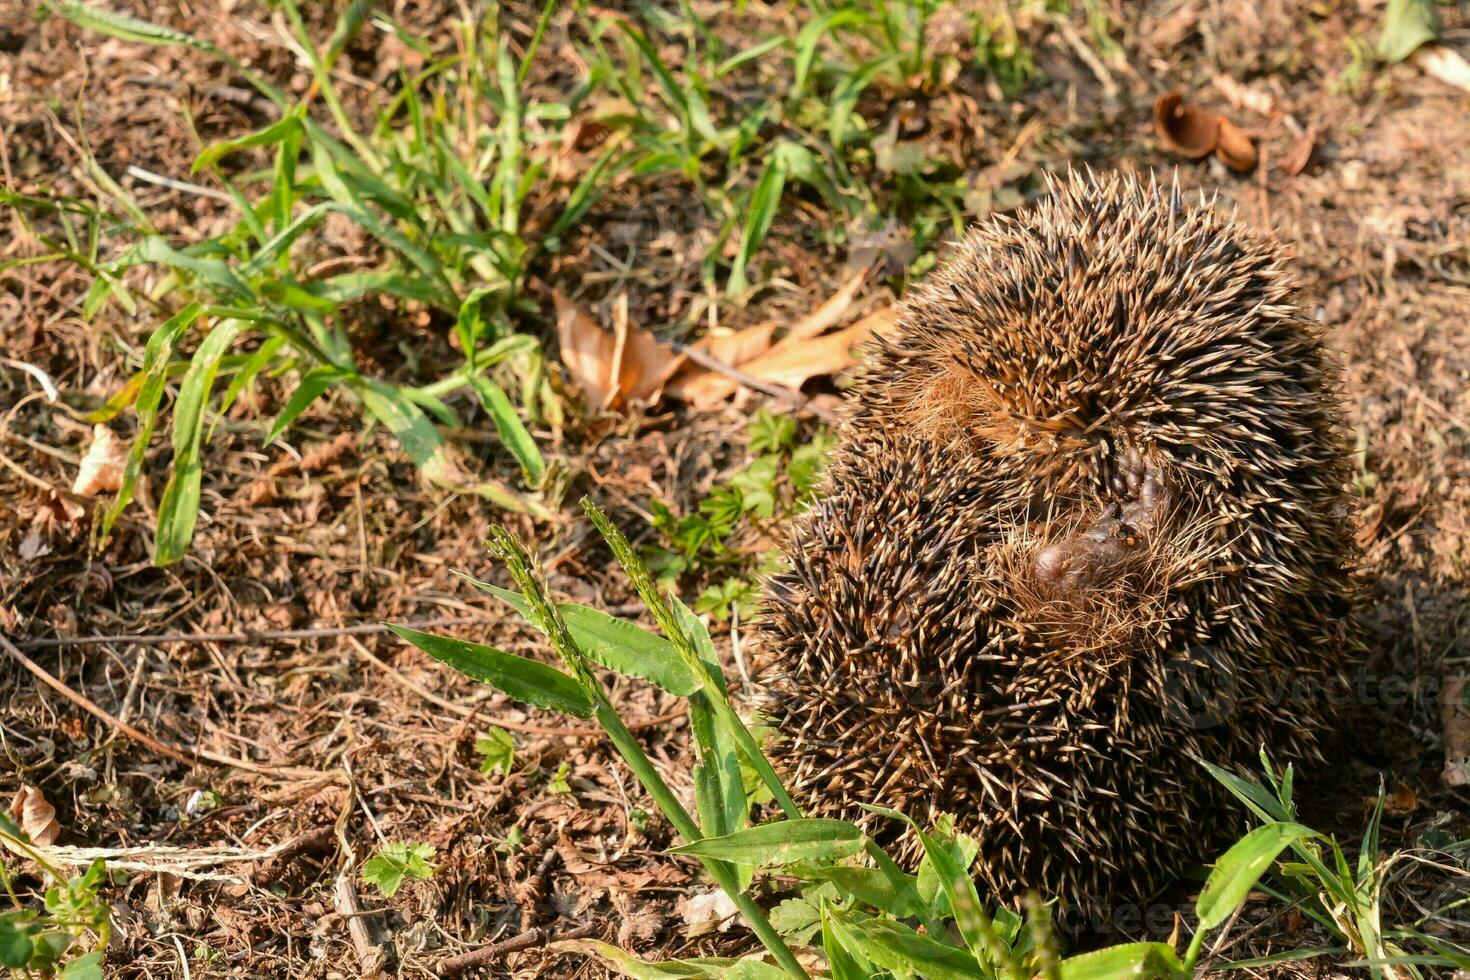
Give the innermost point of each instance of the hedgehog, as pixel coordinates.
(1087, 528)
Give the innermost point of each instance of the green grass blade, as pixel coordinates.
(410, 426)
(276, 132)
(523, 679)
(156, 358)
(313, 384)
(780, 843)
(126, 28)
(178, 510)
(891, 945)
(511, 429)
(1143, 961)
(764, 200)
(611, 642)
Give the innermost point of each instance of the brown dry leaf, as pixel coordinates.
(35, 816)
(613, 369)
(795, 359)
(1398, 801)
(827, 315)
(1235, 148)
(1445, 64)
(1302, 154)
(1190, 132)
(101, 469)
(706, 911)
(702, 388)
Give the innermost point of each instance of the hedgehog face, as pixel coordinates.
(1096, 476)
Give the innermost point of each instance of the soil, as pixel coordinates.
(343, 739)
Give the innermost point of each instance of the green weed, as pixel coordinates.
(854, 908)
(441, 202)
(705, 544)
(48, 941)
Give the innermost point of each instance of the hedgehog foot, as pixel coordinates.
(1097, 554)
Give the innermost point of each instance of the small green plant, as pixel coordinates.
(397, 862)
(855, 908)
(778, 483)
(67, 936)
(497, 751)
(428, 205)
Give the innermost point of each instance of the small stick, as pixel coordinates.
(790, 395)
(193, 756)
(369, 955)
(530, 939)
(243, 636)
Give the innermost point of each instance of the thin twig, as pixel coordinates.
(244, 636)
(790, 395)
(190, 756)
(530, 939)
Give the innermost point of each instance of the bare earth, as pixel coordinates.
(352, 736)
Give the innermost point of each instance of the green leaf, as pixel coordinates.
(613, 643)
(313, 383)
(395, 862)
(521, 678)
(876, 888)
(764, 200)
(497, 750)
(1241, 867)
(88, 967)
(771, 433)
(15, 943)
(156, 357)
(410, 426)
(630, 966)
(276, 132)
(891, 945)
(1145, 961)
(211, 272)
(252, 367)
(841, 960)
(512, 430)
(127, 28)
(1407, 25)
(782, 842)
(179, 508)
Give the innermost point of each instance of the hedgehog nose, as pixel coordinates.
(1052, 562)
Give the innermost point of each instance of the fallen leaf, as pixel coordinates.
(735, 347)
(797, 359)
(1235, 148)
(1398, 801)
(35, 816)
(830, 312)
(1302, 154)
(1246, 96)
(703, 387)
(1192, 133)
(703, 912)
(613, 369)
(101, 469)
(1445, 64)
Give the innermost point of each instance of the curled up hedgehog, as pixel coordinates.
(1087, 527)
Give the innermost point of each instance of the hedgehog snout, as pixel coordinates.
(1097, 554)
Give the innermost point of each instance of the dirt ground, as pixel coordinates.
(349, 737)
